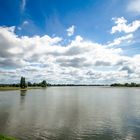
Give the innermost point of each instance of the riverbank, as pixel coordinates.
(6, 138)
(18, 88)
(29, 88)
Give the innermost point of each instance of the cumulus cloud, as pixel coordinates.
(71, 30)
(80, 61)
(123, 26)
(134, 6)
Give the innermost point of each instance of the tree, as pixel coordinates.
(44, 83)
(133, 84)
(29, 84)
(23, 82)
(126, 85)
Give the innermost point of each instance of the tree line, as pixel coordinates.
(24, 84)
(125, 85)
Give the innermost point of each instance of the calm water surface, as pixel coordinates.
(71, 113)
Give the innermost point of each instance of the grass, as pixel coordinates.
(9, 88)
(6, 138)
(17, 88)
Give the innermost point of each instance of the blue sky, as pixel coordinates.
(55, 30)
(91, 17)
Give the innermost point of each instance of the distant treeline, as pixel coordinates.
(42, 84)
(27, 84)
(75, 85)
(24, 84)
(125, 85)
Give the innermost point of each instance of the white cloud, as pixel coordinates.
(71, 30)
(120, 40)
(80, 61)
(23, 25)
(25, 22)
(122, 26)
(23, 5)
(134, 6)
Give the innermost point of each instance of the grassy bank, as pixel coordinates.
(18, 88)
(6, 138)
(9, 88)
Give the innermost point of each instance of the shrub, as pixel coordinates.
(6, 138)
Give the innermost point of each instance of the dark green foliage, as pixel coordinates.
(43, 83)
(9, 85)
(6, 138)
(125, 85)
(29, 84)
(34, 84)
(23, 82)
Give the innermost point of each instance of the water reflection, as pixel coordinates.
(70, 113)
(22, 99)
(6, 110)
(23, 93)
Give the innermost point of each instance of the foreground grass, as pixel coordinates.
(9, 88)
(6, 138)
(18, 88)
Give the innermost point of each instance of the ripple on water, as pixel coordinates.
(87, 113)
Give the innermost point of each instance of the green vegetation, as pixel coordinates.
(41, 84)
(9, 88)
(24, 85)
(125, 85)
(6, 138)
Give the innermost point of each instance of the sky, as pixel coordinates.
(70, 41)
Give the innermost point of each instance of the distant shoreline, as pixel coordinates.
(18, 88)
(6, 88)
(38, 87)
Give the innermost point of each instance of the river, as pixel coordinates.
(71, 113)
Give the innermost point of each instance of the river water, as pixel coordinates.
(71, 113)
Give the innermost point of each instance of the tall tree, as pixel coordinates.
(23, 82)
